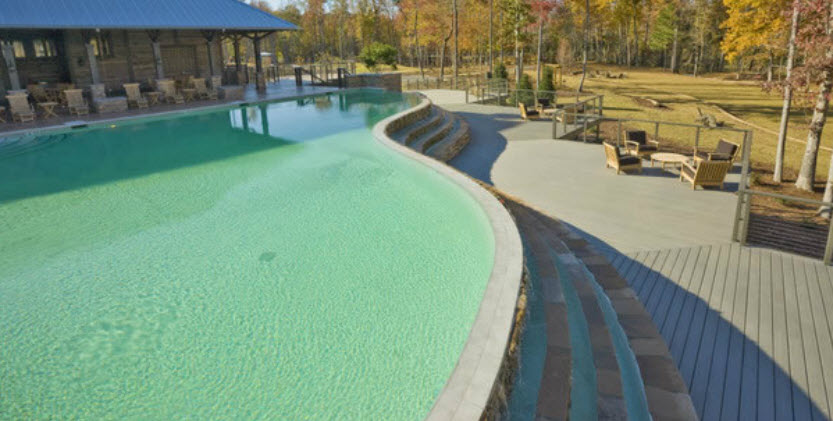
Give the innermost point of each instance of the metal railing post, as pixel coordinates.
(697, 139)
(656, 132)
(619, 135)
(828, 249)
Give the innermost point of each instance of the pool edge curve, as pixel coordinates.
(468, 389)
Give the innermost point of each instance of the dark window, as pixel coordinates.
(44, 48)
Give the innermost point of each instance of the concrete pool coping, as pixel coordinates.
(469, 388)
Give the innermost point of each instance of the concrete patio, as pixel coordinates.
(749, 328)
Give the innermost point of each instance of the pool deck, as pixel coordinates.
(274, 91)
(750, 329)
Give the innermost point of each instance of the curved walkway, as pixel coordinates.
(751, 330)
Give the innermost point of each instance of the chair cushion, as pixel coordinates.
(721, 157)
(702, 155)
(629, 160)
(544, 102)
(644, 147)
(725, 148)
(637, 136)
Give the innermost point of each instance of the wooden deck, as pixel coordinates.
(749, 328)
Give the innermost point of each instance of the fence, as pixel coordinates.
(802, 238)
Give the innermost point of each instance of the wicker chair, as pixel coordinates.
(75, 102)
(725, 151)
(705, 173)
(134, 96)
(169, 93)
(637, 143)
(621, 163)
(203, 92)
(528, 114)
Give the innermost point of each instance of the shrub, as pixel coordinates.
(525, 94)
(547, 84)
(378, 53)
(500, 71)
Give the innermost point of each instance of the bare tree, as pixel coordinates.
(778, 174)
(584, 45)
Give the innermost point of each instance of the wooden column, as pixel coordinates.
(8, 56)
(157, 54)
(92, 60)
(131, 74)
(209, 44)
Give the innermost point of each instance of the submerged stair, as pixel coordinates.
(438, 133)
(604, 358)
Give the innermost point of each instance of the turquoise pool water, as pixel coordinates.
(264, 262)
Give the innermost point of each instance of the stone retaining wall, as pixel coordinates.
(389, 81)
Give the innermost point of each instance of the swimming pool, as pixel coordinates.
(264, 261)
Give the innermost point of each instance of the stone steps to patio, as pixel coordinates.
(604, 357)
(439, 134)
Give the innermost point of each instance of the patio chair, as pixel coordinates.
(75, 102)
(705, 173)
(637, 143)
(203, 92)
(106, 104)
(20, 108)
(134, 96)
(168, 89)
(528, 114)
(725, 151)
(620, 163)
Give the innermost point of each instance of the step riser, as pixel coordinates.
(425, 128)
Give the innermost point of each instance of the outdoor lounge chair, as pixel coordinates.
(528, 114)
(725, 151)
(20, 108)
(203, 92)
(621, 163)
(637, 143)
(168, 89)
(104, 104)
(705, 174)
(134, 96)
(75, 102)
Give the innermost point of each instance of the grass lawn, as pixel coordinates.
(683, 94)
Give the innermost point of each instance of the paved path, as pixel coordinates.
(751, 330)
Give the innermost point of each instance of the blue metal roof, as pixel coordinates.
(137, 14)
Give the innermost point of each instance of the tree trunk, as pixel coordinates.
(807, 174)
(820, 116)
(442, 56)
(635, 40)
(538, 65)
(627, 46)
(674, 52)
(584, 45)
(491, 46)
(778, 173)
(769, 67)
(456, 51)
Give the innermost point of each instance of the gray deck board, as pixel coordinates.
(749, 328)
(751, 336)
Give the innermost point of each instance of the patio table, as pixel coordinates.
(153, 97)
(189, 93)
(669, 158)
(48, 108)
